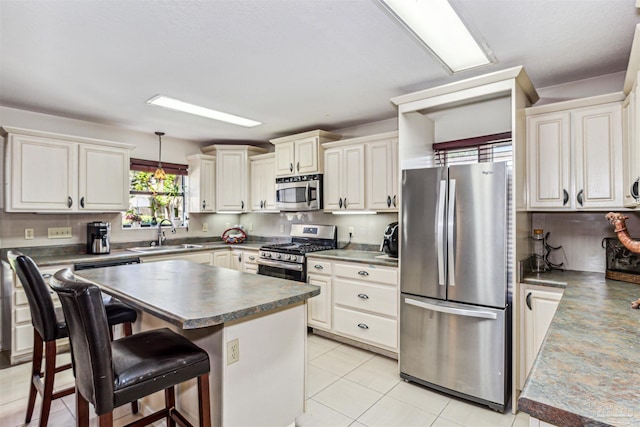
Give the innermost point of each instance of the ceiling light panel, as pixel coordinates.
(438, 26)
(185, 107)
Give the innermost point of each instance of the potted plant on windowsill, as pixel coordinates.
(134, 219)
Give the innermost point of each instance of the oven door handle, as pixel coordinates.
(280, 264)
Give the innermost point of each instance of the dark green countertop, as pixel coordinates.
(588, 369)
(192, 295)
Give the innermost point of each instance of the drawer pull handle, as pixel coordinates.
(318, 267)
(46, 275)
(363, 296)
(363, 273)
(362, 326)
(252, 258)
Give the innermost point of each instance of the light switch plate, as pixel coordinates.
(28, 233)
(205, 226)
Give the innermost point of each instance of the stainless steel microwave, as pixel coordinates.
(299, 193)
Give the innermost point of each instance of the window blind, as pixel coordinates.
(487, 148)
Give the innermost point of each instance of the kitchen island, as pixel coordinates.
(587, 370)
(253, 327)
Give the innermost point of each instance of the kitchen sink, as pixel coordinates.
(165, 248)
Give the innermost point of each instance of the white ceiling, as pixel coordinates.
(294, 65)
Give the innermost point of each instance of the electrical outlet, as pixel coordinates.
(233, 351)
(250, 227)
(59, 232)
(282, 228)
(351, 232)
(227, 225)
(28, 233)
(205, 226)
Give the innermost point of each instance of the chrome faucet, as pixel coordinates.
(161, 236)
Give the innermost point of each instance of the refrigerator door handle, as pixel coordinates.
(451, 310)
(450, 227)
(440, 232)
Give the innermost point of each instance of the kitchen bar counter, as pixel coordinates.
(365, 257)
(263, 318)
(191, 295)
(587, 370)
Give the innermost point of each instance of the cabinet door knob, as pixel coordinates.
(69, 202)
(82, 202)
(261, 204)
(363, 296)
(579, 197)
(265, 204)
(204, 204)
(528, 301)
(395, 200)
(298, 166)
(363, 273)
(241, 204)
(340, 203)
(363, 326)
(345, 203)
(566, 197)
(388, 201)
(252, 258)
(290, 167)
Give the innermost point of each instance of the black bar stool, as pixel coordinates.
(48, 326)
(112, 373)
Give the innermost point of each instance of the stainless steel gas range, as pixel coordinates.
(287, 260)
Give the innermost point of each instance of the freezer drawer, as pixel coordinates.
(457, 347)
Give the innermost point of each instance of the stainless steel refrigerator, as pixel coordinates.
(455, 311)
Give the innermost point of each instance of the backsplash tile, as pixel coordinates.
(580, 234)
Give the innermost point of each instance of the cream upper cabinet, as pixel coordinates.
(575, 157)
(263, 183)
(60, 173)
(548, 143)
(631, 150)
(344, 187)
(202, 179)
(232, 176)
(301, 154)
(382, 173)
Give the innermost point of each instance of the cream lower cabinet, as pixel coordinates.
(21, 326)
(81, 175)
(250, 261)
(574, 155)
(631, 150)
(319, 307)
(538, 306)
(222, 258)
(357, 301)
(198, 257)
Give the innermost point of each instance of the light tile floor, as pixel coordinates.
(346, 386)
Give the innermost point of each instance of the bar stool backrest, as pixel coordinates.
(89, 337)
(43, 315)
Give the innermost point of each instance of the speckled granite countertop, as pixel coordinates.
(45, 257)
(366, 257)
(588, 369)
(192, 295)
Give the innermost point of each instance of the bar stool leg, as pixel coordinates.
(36, 366)
(82, 410)
(49, 377)
(170, 404)
(204, 401)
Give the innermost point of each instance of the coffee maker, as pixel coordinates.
(98, 234)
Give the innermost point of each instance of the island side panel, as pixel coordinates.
(266, 386)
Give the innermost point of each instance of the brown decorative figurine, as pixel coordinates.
(618, 221)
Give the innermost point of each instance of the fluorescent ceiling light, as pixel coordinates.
(185, 107)
(438, 26)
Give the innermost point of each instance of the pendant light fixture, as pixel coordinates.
(159, 174)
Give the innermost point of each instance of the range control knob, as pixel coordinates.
(276, 256)
(266, 254)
